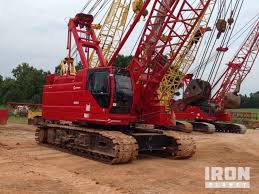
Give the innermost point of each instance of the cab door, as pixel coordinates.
(98, 83)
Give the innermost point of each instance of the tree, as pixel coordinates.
(26, 86)
(9, 91)
(250, 102)
(29, 82)
(122, 61)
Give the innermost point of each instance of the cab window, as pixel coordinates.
(99, 86)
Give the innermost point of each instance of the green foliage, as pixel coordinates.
(250, 102)
(79, 66)
(122, 61)
(18, 120)
(252, 110)
(25, 86)
(27, 83)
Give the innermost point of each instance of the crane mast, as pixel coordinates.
(161, 43)
(179, 68)
(112, 30)
(210, 115)
(237, 69)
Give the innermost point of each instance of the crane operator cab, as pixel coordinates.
(92, 94)
(106, 87)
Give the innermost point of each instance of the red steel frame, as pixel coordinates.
(84, 39)
(239, 67)
(147, 67)
(237, 70)
(66, 97)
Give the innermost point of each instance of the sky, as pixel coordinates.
(35, 32)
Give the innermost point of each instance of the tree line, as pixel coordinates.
(25, 85)
(251, 101)
(27, 82)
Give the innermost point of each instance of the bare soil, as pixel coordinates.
(26, 167)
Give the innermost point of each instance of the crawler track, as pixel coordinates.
(204, 127)
(110, 147)
(230, 127)
(221, 127)
(183, 126)
(186, 146)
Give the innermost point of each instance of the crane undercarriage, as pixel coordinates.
(222, 127)
(115, 147)
(197, 109)
(211, 127)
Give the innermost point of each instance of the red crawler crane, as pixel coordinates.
(227, 88)
(112, 112)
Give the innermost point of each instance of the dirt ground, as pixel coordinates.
(26, 167)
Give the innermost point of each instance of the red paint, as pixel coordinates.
(3, 116)
(78, 98)
(237, 69)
